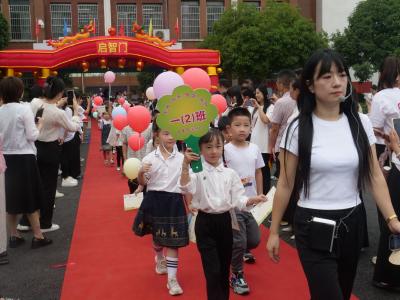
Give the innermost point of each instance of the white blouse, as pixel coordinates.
(54, 119)
(216, 189)
(164, 173)
(18, 129)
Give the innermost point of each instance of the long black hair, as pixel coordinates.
(53, 86)
(323, 59)
(388, 73)
(267, 101)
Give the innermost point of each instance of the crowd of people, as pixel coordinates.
(326, 154)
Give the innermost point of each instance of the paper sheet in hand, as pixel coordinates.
(192, 222)
(132, 201)
(262, 210)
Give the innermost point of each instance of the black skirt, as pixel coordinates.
(163, 215)
(23, 184)
(385, 271)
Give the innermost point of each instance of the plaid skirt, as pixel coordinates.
(163, 215)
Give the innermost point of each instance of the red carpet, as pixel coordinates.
(107, 261)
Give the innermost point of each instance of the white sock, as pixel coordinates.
(172, 267)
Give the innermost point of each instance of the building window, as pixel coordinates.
(256, 4)
(215, 9)
(60, 16)
(190, 18)
(20, 19)
(155, 13)
(87, 12)
(126, 15)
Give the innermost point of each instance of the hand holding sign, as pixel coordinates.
(187, 115)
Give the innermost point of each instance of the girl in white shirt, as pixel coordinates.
(330, 150)
(163, 212)
(216, 191)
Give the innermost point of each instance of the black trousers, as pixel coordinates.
(71, 158)
(266, 172)
(384, 271)
(214, 242)
(277, 165)
(120, 156)
(48, 158)
(330, 275)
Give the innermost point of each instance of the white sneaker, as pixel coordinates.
(59, 195)
(373, 259)
(82, 159)
(161, 266)
(23, 228)
(293, 237)
(67, 182)
(59, 172)
(72, 179)
(174, 287)
(287, 229)
(118, 169)
(53, 227)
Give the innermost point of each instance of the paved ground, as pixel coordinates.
(38, 274)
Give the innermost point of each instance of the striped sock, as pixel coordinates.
(172, 267)
(159, 251)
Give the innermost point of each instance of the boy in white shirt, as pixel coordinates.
(246, 159)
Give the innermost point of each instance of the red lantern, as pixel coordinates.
(103, 63)
(136, 141)
(85, 66)
(112, 31)
(139, 65)
(121, 63)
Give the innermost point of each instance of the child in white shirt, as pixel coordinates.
(216, 191)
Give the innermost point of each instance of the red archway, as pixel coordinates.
(101, 50)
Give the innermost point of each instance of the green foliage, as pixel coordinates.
(372, 34)
(4, 32)
(146, 80)
(257, 44)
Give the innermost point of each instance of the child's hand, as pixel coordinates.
(146, 168)
(190, 156)
(139, 189)
(257, 199)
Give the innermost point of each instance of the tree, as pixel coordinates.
(146, 80)
(4, 32)
(372, 34)
(257, 44)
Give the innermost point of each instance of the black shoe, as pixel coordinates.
(15, 241)
(4, 259)
(249, 258)
(38, 243)
(385, 286)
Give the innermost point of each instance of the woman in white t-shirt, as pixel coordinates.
(261, 116)
(329, 149)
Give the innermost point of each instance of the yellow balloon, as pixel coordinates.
(131, 167)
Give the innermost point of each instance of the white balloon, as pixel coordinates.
(150, 93)
(132, 167)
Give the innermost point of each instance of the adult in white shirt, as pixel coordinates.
(48, 147)
(260, 122)
(23, 188)
(331, 150)
(385, 107)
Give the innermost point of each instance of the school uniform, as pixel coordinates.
(333, 194)
(163, 212)
(245, 161)
(216, 192)
(23, 187)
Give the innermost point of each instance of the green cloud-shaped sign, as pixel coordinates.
(186, 112)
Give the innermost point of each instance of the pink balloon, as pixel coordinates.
(220, 102)
(139, 118)
(197, 78)
(98, 100)
(126, 106)
(165, 83)
(109, 77)
(136, 141)
(120, 121)
(121, 100)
